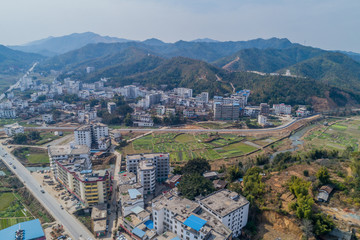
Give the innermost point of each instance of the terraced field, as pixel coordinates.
(183, 147)
(338, 136)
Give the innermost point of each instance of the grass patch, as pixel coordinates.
(32, 156)
(5, 200)
(339, 127)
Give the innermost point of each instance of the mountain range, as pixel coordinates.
(325, 78)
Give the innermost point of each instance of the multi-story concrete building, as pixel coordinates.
(88, 186)
(47, 118)
(203, 97)
(184, 92)
(282, 109)
(186, 219)
(8, 113)
(226, 111)
(65, 152)
(95, 136)
(262, 120)
(146, 175)
(13, 129)
(264, 109)
(111, 106)
(229, 207)
(160, 160)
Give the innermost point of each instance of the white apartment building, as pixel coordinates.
(47, 118)
(111, 106)
(8, 113)
(83, 136)
(262, 120)
(229, 207)
(160, 160)
(186, 219)
(13, 129)
(184, 92)
(282, 109)
(146, 175)
(95, 136)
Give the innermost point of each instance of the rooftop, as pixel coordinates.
(224, 202)
(68, 150)
(99, 212)
(146, 156)
(127, 177)
(176, 204)
(32, 230)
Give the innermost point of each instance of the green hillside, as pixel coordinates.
(267, 60)
(335, 69)
(13, 61)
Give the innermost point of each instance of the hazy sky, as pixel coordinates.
(329, 24)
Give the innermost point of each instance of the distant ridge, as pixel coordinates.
(52, 46)
(208, 40)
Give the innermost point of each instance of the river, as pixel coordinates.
(295, 139)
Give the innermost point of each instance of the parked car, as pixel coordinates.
(42, 191)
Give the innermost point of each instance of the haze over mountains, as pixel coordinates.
(206, 65)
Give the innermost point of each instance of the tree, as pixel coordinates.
(128, 121)
(194, 184)
(196, 165)
(34, 135)
(323, 175)
(233, 173)
(322, 224)
(20, 138)
(254, 188)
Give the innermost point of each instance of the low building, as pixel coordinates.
(324, 193)
(98, 218)
(173, 181)
(138, 224)
(13, 129)
(131, 196)
(262, 120)
(282, 109)
(30, 230)
(47, 118)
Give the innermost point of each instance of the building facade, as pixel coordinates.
(161, 162)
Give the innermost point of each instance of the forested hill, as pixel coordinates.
(12, 60)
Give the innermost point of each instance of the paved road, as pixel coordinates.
(17, 84)
(179, 130)
(71, 225)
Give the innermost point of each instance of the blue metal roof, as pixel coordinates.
(86, 171)
(176, 238)
(195, 222)
(134, 193)
(138, 232)
(149, 224)
(32, 230)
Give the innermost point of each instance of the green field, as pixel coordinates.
(338, 136)
(183, 147)
(32, 155)
(11, 210)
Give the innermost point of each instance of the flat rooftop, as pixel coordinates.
(99, 212)
(224, 202)
(146, 155)
(127, 177)
(176, 204)
(67, 150)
